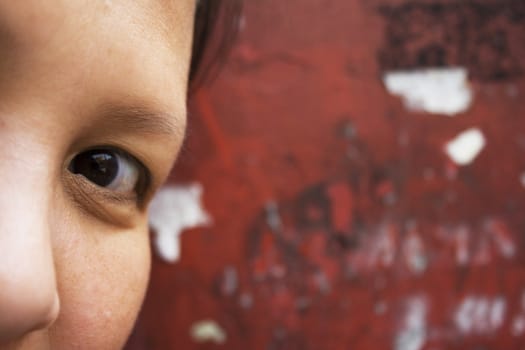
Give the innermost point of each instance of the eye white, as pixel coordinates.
(127, 175)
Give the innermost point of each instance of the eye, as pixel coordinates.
(109, 168)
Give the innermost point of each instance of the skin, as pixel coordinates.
(74, 256)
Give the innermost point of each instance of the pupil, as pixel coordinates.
(99, 167)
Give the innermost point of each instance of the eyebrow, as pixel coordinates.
(143, 120)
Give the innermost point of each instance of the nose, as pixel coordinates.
(28, 293)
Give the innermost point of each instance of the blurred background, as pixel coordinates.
(353, 179)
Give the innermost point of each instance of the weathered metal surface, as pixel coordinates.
(339, 219)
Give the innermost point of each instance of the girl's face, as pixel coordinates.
(92, 114)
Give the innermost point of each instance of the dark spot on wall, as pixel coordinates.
(313, 209)
(343, 241)
(474, 34)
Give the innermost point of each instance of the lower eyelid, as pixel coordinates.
(117, 209)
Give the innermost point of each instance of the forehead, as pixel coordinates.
(37, 20)
(105, 47)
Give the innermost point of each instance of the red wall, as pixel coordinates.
(339, 221)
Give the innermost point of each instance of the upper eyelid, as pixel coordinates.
(150, 131)
(146, 131)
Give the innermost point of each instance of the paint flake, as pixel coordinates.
(497, 313)
(432, 90)
(230, 281)
(466, 146)
(273, 218)
(502, 239)
(518, 326)
(207, 331)
(413, 333)
(414, 252)
(390, 246)
(462, 246)
(480, 315)
(384, 248)
(172, 210)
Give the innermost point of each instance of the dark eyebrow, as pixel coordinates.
(143, 120)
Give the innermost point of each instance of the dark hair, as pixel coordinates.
(215, 28)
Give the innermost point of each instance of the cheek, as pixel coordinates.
(102, 276)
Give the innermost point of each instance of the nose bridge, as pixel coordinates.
(28, 294)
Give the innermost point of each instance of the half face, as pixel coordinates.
(92, 114)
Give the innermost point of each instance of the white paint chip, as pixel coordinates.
(207, 331)
(413, 333)
(518, 326)
(230, 280)
(172, 210)
(432, 90)
(480, 315)
(466, 146)
(414, 251)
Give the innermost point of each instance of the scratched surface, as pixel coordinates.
(338, 219)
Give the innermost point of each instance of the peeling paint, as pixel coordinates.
(462, 246)
(498, 232)
(414, 253)
(230, 280)
(172, 210)
(518, 326)
(322, 282)
(378, 249)
(207, 331)
(384, 248)
(432, 90)
(392, 245)
(480, 315)
(413, 333)
(466, 146)
(272, 216)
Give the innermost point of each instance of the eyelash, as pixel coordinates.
(110, 163)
